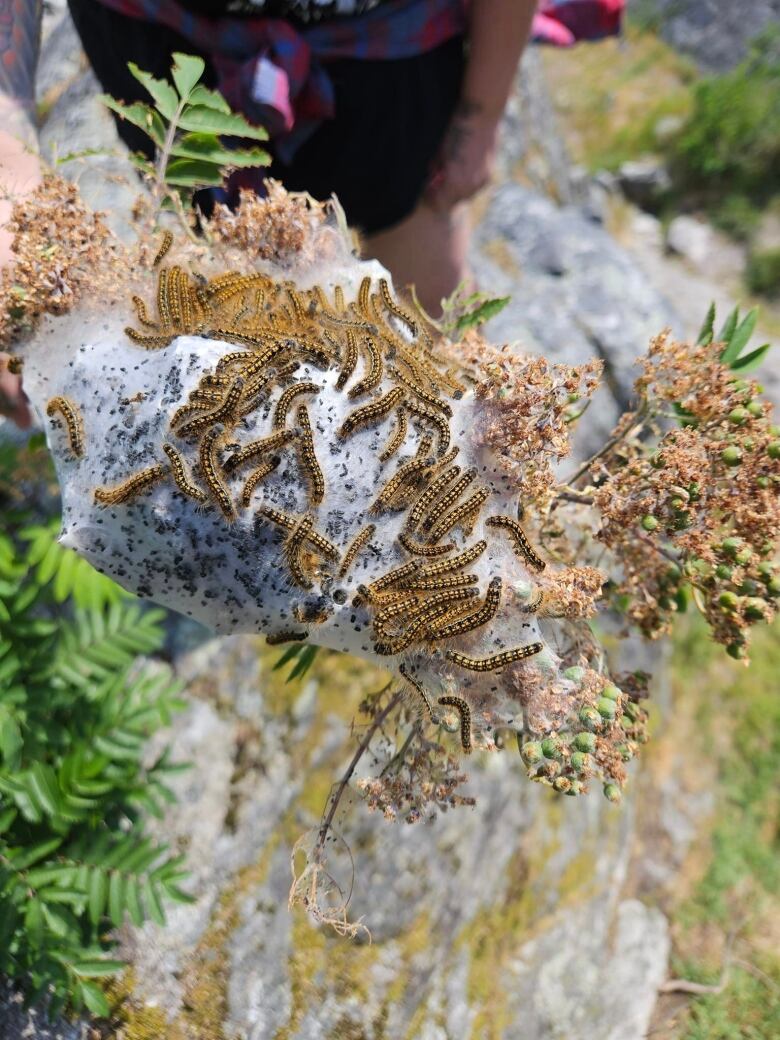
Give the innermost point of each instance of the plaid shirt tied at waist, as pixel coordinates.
(273, 72)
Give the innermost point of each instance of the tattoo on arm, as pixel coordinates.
(20, 33)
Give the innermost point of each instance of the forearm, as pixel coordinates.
(20, 33)
(498, 32)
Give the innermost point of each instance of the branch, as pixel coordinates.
(641, 414)
(362, 747)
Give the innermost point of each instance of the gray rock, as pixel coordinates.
(20, 1023)
(575, 293)
(715, 33)
(691, 238)
(61, 58)
(644, 181)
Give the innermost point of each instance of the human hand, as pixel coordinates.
(466, 159)
(13, 403)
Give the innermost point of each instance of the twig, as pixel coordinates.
(641, 415)
(658, 548)
(575, 496)
(361, 750)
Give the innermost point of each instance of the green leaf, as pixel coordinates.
(483, 313)
(707, 330)
(140, 115)
(729, 325)
(133, 901)
(739, 338)
(11, 742)
(201, 119)
(202, 96)
(193, 173)
(751, 361)
(304, 662)
(163, 93)
(209, 148)
(186, 71)
(97, 969)
(35, 853)
(97, 893)
(116, 898)
(153, 904)
(94, 998)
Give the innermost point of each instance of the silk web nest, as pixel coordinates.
(254, 430)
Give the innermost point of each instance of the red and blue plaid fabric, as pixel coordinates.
(274, 72)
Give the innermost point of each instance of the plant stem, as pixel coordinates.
(641, 414)
(362, 747)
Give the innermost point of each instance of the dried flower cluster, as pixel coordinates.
(527, 409)
(63, 250)
(698, 509)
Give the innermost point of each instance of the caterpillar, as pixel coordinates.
(236, 357)
(399, 605)
(406, 570)
(137, 482)
(73, 421)
(193, 407)
(141, 313)
(429, 496)
(360, 540)
(148, 342)
(375, 372)
(286, 636)
(421, 392)
(364, 297)
(490, 664)
(367, 413)
(435, 417)
(338, 295)
(208, 468)
(292, 551)
(533, 604)
(288, 522)
(436, 606)
(288, 396)
(418, 549)
(451, 581)
(162, 299)
(392, 306)
(455, 563)
(309, 456)
(465, 719)
(175, 276)
(420, 689)
(397, 437)
(223, 413)
(350, 361)
(259, 447)
(183, 482)
(254, 479)
(449, 499)
(402, 476)
(522, 546)
(476, 619)
(460, 513)
(165, 245)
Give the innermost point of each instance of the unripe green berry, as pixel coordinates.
(731, 546)
(551, 747)
(773, 450)
(763, 482)
(748, 587)
(625, 752)
(577, 787)
(774, 431)
(585, 742)
(606, 708)
(612, 793)
(766, 570)
(611, 692)
(575, 673)
(723, 572)
(731, 456)
(755, 609)
(736, 650)
(649, 522)
(694, 491)
(532, 752)
(773, 587)
(756, 409)
(590, 718)
(728, 601)
(738, 415)
(579, 761)
(743, 557)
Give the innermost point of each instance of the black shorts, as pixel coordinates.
(376, 154)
